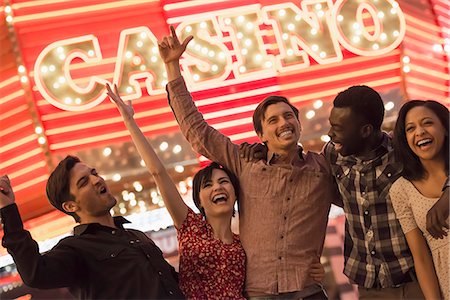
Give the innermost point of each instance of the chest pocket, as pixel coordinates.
(344, 179)
(110, 253)
(385, 178)
(263, 181)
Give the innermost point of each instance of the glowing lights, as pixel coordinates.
(42, 140)
(325, 138)
(300, 32)
(389, 105)
(21, 69)
(179, 169)
(163, 146)
(437, 48)
(177, 149)
(317, 104)
(116, 177)
(138, 186)
(310, 114)
(107, 151)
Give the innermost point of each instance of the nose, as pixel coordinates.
(420, 130)
(330, 132)
(217, 186)
(95, 179)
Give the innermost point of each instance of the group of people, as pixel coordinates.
(394, 192)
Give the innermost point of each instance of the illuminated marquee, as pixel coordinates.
(316, 29)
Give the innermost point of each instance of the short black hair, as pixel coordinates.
(204, 175)
(363, 101)
(412, 167)
(58, 185)
(258, 114)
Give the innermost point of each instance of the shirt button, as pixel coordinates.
(389, 174)
(148, 255)
(366, 212)
(363, 193)
(137, 241)
(370, 233)
(113, 255)
(160, 273)
(131, 242)
(113, 232)
(362, 174)
(170, 292)
(372, 252)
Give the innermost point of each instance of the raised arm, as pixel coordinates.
(172, 199)
(203, 138)
(60, 267)
(170, 50)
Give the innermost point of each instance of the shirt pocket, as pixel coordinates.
(110, 253)
(263, 181)
(385, 178)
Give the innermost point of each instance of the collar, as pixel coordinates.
(80, 229)
(384, 147)
(272, 157)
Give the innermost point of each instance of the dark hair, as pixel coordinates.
(258, 114)
(363, 101)
(412, 167)
(205, 174)
(58, 185)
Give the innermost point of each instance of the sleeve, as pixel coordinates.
(57, 268)
(203, 138)
(327, 153)
(402, 206)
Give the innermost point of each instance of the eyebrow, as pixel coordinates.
(84, 176)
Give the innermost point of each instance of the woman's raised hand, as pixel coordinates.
(126, 110)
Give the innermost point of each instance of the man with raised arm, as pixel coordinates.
(102, 259)
(282, 225)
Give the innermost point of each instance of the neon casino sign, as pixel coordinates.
(316, 29)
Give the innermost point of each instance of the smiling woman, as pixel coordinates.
(421, 144)
(206, 241)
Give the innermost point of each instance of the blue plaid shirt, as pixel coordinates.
(376, 252)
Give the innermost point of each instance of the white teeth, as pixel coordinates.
(219, 196)
(285, 133)
(420, 143)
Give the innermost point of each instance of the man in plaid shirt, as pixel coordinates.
(377, 257)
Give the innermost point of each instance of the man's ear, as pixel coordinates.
(261, 137)
(366, 130)
(70, 206)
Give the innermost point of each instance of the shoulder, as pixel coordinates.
(193, 220)
(400, 188)
(318, 161)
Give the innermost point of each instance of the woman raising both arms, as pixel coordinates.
(421, 145)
